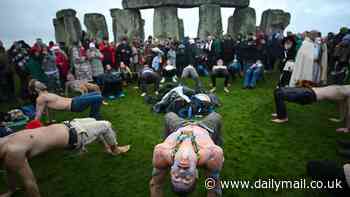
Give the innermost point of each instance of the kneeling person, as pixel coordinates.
(186, 147)
(18, 148)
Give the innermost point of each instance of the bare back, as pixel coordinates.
(30, 143)
(202, 137)
(332, 93)
(51, 101)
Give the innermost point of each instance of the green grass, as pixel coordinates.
(254, 147)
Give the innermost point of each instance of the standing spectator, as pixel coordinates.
(180, 59)
(34, 66)
(95, 56)
(228, 49)
(51, 70)
(123, 52)
(157, 59)
(305, 59)
(275, 51)
(107, 52)
(7, 87)
(171, 56)
(135, 56)
(82, 67)
(62, 63)
(290, 53)
(19, 56)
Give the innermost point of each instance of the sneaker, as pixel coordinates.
(156, 93)
(274, 115)
(280, 121)
(143, 94)
(174, 79)
(213, 90)
(226, 90)
(163, 80)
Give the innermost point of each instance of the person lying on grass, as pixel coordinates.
(188, 146)
(18, 148)
(306, 96)
(46, 100)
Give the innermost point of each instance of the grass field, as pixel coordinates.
(254, 147)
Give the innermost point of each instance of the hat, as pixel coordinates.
(92, 45)
(54, 48)
(156, 50)
(34, 124)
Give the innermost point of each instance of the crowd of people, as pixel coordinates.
(312, 68)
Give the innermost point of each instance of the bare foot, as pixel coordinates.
(226, 90)
(280, 121)
(121, 150)
(343, 130)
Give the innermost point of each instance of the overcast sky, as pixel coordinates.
(30, 19)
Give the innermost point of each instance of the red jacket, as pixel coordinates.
(62, 63)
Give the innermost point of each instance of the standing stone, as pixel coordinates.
(166, 23)
(209, 21)
(67, 27)
(96, 26)
(242, 22)
(181, 29)
(273, 21)
(145, 4)
(127, 23)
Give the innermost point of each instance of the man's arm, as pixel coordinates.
(17, 163)
(157, 182)
(30, 185)
(161, 161)
(40, 107)
(214, 165)
(66, 89)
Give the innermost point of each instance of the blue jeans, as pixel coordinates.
(93, 100)
(202, 70)
(251, 76)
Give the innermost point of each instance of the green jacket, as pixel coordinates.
(34, 68)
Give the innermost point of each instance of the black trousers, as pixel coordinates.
(220, 73)
(213, 122)
(285, 79)
(301, 96)
(326, 171)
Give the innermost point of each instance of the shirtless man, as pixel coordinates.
(304, 96)
(186, 147)
(46, 100)
(18, 148)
